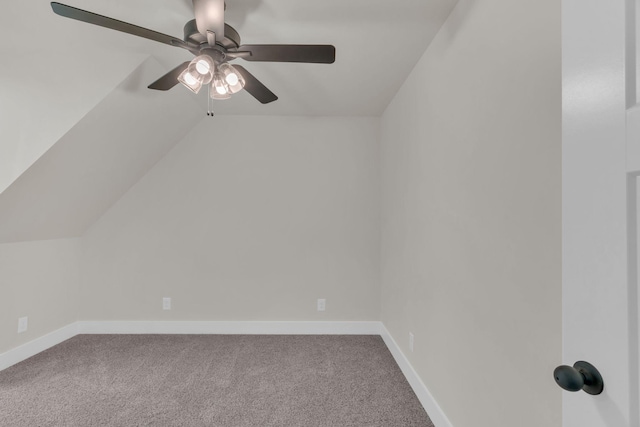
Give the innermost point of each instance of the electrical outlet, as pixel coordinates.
(322, 304)
(23, 324)
(166, 303)
(411, 342)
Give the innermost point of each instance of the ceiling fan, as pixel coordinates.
(215, 44)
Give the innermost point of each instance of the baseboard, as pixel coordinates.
(44, 342)
(229, 328)
(37, 345)
(424, 395)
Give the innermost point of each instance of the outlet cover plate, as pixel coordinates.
(322, 304)
(23, 324)
(166, 303)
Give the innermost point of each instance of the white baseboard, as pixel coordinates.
(424, 395)
(44, 342)
(229, 328)
(37, 345)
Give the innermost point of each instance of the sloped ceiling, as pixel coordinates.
(97, 161)
(72, 139)
(36, 112)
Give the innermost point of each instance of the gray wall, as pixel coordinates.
(471, 214)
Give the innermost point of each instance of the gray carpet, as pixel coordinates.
(210, 380)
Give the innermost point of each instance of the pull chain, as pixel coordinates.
(209, 105)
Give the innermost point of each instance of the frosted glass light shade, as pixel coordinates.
(232, 77)
(190, 81)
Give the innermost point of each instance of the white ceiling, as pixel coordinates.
(377, 41)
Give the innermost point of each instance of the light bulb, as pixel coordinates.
(191, 82)
(232, 79)
(195, 67)
(220, 85)
(203, 66)
(189, 79)
(221, 89)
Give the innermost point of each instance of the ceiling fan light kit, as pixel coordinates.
(202, 70)
(214, 44)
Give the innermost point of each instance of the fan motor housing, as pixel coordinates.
(231, 37)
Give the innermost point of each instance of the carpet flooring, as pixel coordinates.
(210, 380)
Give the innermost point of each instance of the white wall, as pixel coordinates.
(248, 218)
(39, 280)
(471, 214)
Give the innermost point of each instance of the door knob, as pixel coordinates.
(580, 376)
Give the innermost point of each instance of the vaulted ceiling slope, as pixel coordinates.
(71, 144)
(97, 161)
(36, 111)
(48, 81)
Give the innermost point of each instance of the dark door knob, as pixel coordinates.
(580, 376)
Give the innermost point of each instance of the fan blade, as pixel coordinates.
(210, 17)
(114, 24)
(170, 79)
(255, 87)
(317, 54)
(231, 54)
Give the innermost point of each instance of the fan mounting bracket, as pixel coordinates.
(231, 38)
